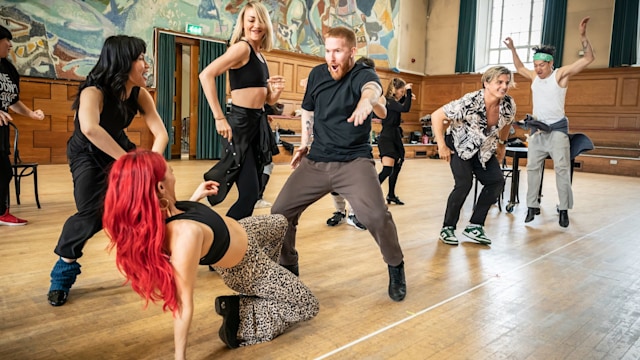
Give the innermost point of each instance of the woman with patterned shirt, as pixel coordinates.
(479, 124)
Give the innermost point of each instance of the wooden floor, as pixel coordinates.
(539, 292)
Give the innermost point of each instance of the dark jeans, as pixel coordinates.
(6, 173)
(463, 170)
(89, 188)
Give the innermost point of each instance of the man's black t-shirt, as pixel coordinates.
(332, 103)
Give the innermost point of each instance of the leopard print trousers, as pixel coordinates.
(273, 298)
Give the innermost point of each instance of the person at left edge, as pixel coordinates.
(108, 100)
(9, 99)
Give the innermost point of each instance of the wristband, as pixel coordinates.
(501, 142)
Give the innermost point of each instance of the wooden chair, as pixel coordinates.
(22, 169)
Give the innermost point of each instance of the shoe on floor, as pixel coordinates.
(476, 233)
(337, 218)
(447, 235)
(564, 218)
(262, 204)
(229, 308)
(63, 276)
(353, 221)
(531, 214)
(397, 283)
(10, 220)
(57, 297)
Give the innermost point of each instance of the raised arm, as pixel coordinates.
(569, 70)
(520, 68)
(402, 106)
(153, 121)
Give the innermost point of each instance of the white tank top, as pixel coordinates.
(548, 99)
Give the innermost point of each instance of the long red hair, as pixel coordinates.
(135, 224)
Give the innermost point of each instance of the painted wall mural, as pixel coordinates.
(62, 39)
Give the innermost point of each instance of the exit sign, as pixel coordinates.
(193, 29)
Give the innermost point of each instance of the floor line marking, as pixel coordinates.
(482, 284)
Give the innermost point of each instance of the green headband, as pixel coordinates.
(543, 57)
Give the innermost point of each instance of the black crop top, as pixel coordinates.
(254, 73)
(203, 214)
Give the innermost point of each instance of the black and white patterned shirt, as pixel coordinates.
(468, 127)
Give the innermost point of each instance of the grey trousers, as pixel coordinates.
(357, 181)
(556, 145)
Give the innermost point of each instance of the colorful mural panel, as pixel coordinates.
(62, 39)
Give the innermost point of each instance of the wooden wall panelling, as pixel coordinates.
(630, 92)
(603, 103)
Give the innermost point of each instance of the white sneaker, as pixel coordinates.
(261, 204)
(353, 221)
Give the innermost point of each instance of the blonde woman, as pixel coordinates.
(251, 88)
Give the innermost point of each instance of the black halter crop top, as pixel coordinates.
(254, 73)
(203, 214)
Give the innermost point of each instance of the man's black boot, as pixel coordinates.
(397, 284)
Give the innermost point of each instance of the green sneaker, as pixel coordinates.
(447, 236)
(476, 233)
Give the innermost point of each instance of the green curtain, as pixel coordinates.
(625, 33)
(465, 52)
(209, 144)
(553, 27)
(166, 84)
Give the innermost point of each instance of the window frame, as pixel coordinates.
(484, 19)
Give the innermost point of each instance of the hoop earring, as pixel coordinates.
(164, 204)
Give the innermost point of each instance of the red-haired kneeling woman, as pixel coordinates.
(160, 242)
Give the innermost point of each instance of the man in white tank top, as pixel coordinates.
(549, 88)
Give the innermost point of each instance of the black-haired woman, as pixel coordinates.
(108, 100)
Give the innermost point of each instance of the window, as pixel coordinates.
(520, 20)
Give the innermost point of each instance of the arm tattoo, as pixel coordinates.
(309, 126)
